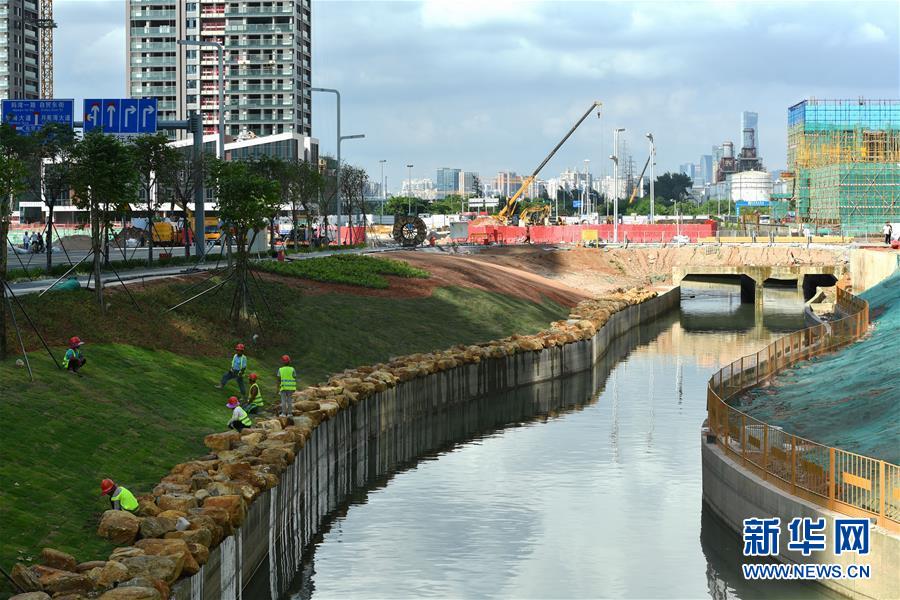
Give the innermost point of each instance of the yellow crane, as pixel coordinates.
(507, 213)
(46, 25)
(634, 190)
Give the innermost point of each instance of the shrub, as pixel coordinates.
(350, 269)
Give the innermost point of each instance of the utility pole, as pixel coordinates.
(383, 193)
(615, 159)
(409, 190)
(652, 163)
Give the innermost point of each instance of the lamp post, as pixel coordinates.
(615, 159)
(409, 190)
(220, 49)
(652, 162)
(383, 193)
(585, 199)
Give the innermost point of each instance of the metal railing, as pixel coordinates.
(842, 481)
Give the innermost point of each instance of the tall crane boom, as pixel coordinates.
(46, 24)
(510, 208)
(635, 190)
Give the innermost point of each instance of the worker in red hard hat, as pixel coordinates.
(239, 417)
(119, 496)
(238, 367)
(254, 401)
(287, 385)
(74, 359)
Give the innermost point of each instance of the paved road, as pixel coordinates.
(37, 262)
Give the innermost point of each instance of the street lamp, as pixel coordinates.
(383, 195)
(615, 159)
(652, 162)
(409, 191)
(585, 198)
(220, 49)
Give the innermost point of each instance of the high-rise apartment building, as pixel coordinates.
(447, 181)
(267, 62)
(19, 50)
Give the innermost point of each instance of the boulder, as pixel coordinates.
(147, 506)
(233, 505)
(126, 552)
(195, 536)
(156, 527)
(306, 405)
(162, 489)
(167, 568)
(110, 574)
(200, 481)
(173, 514)
(251, 439)
(220, 516)
(147, 582)
(173, 548)
(88, 565)
(199, 552)
(25, 578)
(180, 502)
(57, 581)
(221, 441)
(31, 596)
(119, 526)
(201, 495)
(58, 560)
(132, 593)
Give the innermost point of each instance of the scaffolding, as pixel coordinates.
(845, 156)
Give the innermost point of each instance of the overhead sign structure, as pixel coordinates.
(120, 116)
(29, 116)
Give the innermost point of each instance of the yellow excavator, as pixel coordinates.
(508, 212)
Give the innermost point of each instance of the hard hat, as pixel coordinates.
(75, 341)
(106, 486)
(239, 347)
(285, 358)
(252, 377)
(232, 402)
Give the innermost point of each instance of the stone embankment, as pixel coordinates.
(201, 503)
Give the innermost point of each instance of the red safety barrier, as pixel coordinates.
(571, 234)
(349, 235)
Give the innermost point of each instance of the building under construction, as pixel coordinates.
(26, 48)
(845, 159)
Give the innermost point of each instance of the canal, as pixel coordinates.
(595, 493)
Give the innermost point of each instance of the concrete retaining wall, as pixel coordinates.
(870, 267)
(735, 494)
(387, 429)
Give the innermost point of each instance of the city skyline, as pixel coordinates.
(528, 68)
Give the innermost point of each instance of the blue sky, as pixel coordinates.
(490, 85)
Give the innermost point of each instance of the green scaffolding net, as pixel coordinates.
(849, 399)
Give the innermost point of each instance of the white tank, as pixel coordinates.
(754, 187)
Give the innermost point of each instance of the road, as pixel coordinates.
(37, 262)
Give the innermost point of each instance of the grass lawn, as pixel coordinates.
(147, 398)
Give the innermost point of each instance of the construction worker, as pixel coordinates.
(254, 401)
(238, 366)
(74, 359)
(287, 385)
(119, 496)
(239, 417)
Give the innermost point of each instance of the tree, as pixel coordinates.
(280, 172)
(672, 186)
(305, 187)
(476, 184)
(104, 181)
(353, 191)
(155, 161)
(246, 198)
(13, 181)
(401, 205)
(181, 182)
(447, 205)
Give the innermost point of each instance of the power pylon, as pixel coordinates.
(46, 25)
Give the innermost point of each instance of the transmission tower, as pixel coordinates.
(46, 25)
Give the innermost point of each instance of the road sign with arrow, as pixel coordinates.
(120, 116)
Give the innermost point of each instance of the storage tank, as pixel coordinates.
(727, 150)
(753, 187)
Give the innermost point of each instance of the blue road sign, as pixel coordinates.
(120, 116)
(576, 203)
(28, 116)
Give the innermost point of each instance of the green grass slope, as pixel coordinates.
(147, 398)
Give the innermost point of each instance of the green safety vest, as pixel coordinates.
(288, 379)
(125, 499)
(243, 417)
(256, 400)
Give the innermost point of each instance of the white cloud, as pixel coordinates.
(868, 32)
(467, 14)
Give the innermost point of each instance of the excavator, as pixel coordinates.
(538, 214)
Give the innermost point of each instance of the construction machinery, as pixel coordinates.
(538, 214)
(634, 191)
(507, 213)
(46, 25)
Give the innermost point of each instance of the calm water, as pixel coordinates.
(602, 500)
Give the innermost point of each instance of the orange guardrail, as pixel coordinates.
(842, 481)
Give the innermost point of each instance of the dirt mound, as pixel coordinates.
(77, 242)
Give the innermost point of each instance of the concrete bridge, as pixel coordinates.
(752, 278)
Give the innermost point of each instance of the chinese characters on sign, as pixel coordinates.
(29, 116)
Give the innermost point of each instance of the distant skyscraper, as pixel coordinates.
(447, 181)
(706, 168)
(750, 130)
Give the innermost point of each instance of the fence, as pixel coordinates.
(556, 234)
(839, 480)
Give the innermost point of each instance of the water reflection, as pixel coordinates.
(601, 500)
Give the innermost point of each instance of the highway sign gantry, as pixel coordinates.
(120, 116)
(29, 116)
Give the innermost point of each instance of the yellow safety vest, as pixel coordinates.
(125, 499)
(242, 416)
(288, 379)
(255, 400)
